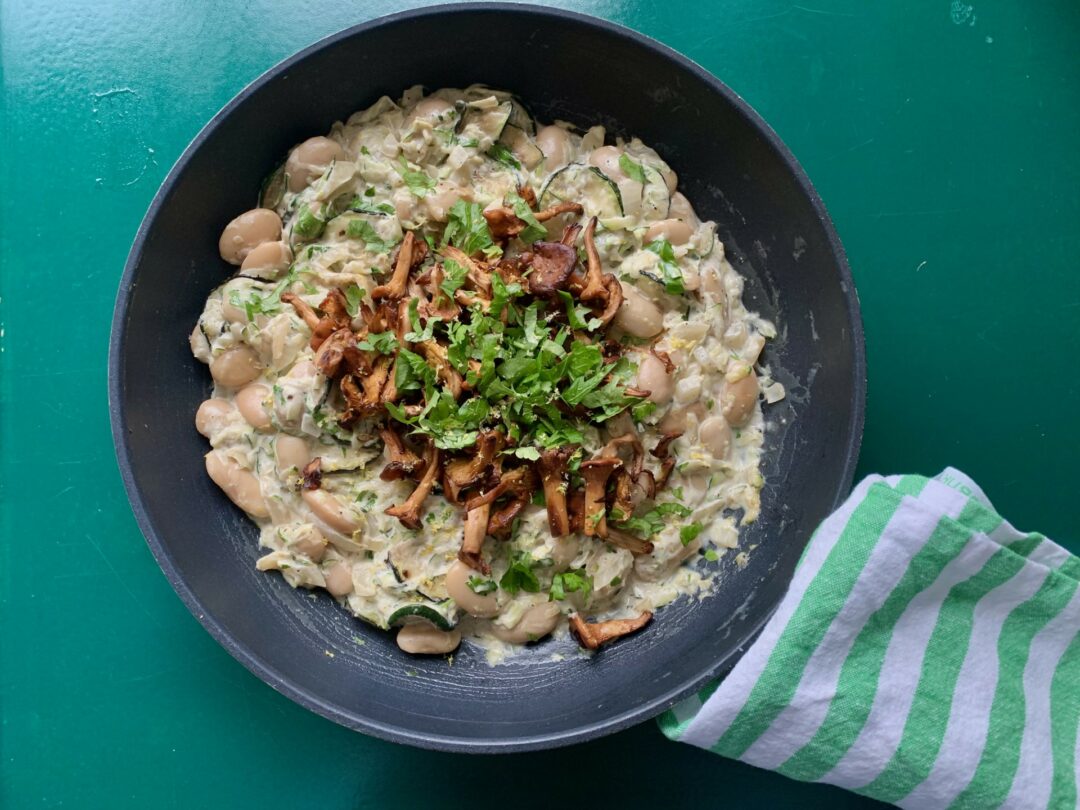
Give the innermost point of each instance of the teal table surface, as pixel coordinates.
(943, 138)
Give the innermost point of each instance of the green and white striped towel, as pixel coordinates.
(926, 654)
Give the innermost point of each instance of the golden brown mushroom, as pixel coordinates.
(436, 356)
(595, 288)
(552, 469)
(403, 463)
(476, 522)
(635, 545)
(329, 357)
(592, 635)
(596, 472)
(409, 511)
(614, 300)
(312, 473)
(462, 473)
(551, 264)
(395, 288)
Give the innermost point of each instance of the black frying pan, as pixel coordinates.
(734, 170)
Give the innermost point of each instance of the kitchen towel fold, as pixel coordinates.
(926, 654)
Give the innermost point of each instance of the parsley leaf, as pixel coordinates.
(365, 207)
(308, 224)
(533, 229)
(453, 278)
(354, 294)
(381, 342)
(689, 533)
(633, 170)
(673, 279)
(575, 314)
(571, 581)
(653, 521)
(419, 332)
(418, 182)
(481, 587)
(364, 230)
(519, 576)
(499, 153)
(466, 228)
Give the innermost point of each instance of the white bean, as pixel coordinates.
(210, 415)
(330, 511)
(268, 259)
(606, 159)
(308, 540)
(240, 485)
(638, 316)
(737, 399)
(680, 208)
(339, 579)
(535, 623)
(674, 231)
(251, 401)
(247, 232)
(309, 160)
(457, 585)
(555, 145)
(652, 376)
(715, 434)
(292, 453)
(424, 638)
(235, 367)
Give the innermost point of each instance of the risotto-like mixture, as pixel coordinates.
(484, 379)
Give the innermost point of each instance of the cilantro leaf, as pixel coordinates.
(632, 170)
(420, 332)
(418, 182)
(453, 277)
(308, 224)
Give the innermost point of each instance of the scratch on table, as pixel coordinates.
(824, 12)
(922, 264)
(120, 579)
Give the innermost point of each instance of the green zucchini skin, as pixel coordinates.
(600, 194)
(403, 614)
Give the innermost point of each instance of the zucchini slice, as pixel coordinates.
(655, 200)
(485, 122)
(273, 188)
(407, 613)
(597, 192)
(522, 146)
(521, 118)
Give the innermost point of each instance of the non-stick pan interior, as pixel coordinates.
(562, 66)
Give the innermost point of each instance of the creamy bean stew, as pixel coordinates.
(480, 378)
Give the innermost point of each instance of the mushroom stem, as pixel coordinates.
(403, 461)
(395, 288)
(476, 521)
(409, 511)
(552, 468)
(635, 545)
(596, 472)
(559, 208)
(594, 281)
(592, 635)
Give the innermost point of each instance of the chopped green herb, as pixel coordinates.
(419, 183)
(307, 224)
(354, 294)
(519, 576)
(669, 267)
(533, 229)
(466, 228)
(381, 342)
(689, 533)
(576, 315)
(571, 581)
(453, 278)
(364, 207)
(481, 587)
(711, 555)
(499, 153)
(364, 230)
